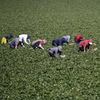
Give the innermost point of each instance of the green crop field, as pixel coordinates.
(27, 74)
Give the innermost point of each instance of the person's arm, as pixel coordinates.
(22, 44)
(21, 40)
(85, 48)
(60, 52)
(29, 41)
(40, 46)
(16, 47)
(25, 40)
(56, 54)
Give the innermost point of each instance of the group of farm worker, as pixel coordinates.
(56, 51)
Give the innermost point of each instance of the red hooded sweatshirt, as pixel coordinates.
(85, 43)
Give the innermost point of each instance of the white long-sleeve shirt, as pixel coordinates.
(23, 37)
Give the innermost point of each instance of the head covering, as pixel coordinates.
(44, 41)
(67, 38)
(90, 41)
(9, 36)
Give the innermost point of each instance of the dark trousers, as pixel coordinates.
(82, 48)
(54, 43)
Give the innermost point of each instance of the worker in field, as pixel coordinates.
(15, 43)
(61, 41)
(24, 38)
(85, 45)
(39, 43)
(56, 52)
(78, 38)
(5, 38)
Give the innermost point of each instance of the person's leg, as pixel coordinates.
(21, 44)
(11, 46)
(35, 45)
(51, 53)
(55, 54)
(54, 43)
(81, 49)
(87, 47)
(60, 52)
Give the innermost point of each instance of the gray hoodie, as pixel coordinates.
(55, 51)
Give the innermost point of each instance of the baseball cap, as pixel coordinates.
(90, 41)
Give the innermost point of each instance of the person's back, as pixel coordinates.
(57, 42)
(36, 43)
(39, 43)
(84, 45)
(55, 51)
(85, 42)
(14, 43)
(24, 38)
(61, 41)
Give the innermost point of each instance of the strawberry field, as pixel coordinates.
(28, 74)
